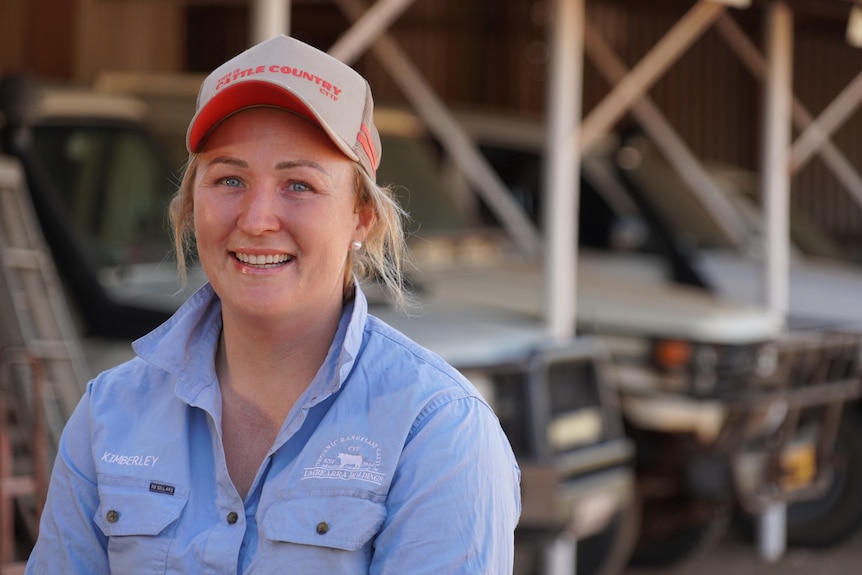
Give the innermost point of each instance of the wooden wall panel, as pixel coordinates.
(36, 37)
(140, 35)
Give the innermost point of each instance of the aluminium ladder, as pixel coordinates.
(42, 367)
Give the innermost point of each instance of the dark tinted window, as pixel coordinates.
(114, 186)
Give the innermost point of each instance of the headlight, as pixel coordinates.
(551, 404)
(707, 370)
(767, 360)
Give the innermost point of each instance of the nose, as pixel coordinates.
(258, 210)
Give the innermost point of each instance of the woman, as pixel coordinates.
(272, 425)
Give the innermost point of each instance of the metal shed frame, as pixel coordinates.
(569, 135)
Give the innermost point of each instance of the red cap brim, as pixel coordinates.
(243, 95)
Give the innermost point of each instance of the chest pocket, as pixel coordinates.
(139, 517)
(335, 521)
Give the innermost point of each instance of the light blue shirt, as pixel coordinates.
(390, 462)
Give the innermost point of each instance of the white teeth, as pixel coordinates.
(260, 260)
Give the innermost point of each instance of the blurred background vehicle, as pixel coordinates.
(824, 292)
(692, 365)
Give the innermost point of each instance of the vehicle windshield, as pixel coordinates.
(115, 188)
(696, 225)
(441, 230)
(409, 165)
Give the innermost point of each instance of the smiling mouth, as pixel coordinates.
(264, 261)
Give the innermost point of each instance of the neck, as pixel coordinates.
(265, 356)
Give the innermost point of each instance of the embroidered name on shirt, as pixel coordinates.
(162, 488)
(134, 460)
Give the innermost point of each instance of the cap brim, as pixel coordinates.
(249, 94)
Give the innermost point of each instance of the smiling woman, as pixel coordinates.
(272, 420)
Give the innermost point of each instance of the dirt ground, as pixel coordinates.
(735, 557)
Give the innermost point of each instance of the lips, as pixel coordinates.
(263, 261)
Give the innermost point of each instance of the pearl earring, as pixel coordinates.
(356, 245)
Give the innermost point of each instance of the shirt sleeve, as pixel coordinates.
(454, 499)
(69, 541)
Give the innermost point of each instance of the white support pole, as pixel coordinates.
(562, 167)
(269, 18)
(775, 172)
(561, 555)
(772, 535)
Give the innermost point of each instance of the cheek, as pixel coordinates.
(208, 210)
(205, 220)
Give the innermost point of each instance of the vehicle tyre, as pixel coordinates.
(608, 552)
(663, 544)
(831, 518)
(605, 553)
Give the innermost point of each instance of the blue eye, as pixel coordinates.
(299, 187)
(231, 181)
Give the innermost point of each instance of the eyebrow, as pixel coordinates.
(279, 166)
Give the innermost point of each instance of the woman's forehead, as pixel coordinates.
(252, 124)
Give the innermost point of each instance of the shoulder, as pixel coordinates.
(395, 352)
(415, 379)
(130, 383)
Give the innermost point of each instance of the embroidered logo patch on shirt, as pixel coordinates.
(350, 457)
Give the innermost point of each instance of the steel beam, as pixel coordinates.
(672, 145)
(820, 130)
(361, 35)
(751, 57)
(673, 45)
(440, 122)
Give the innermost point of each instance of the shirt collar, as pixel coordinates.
(185, 345)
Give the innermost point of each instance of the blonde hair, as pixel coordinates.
(380, 260)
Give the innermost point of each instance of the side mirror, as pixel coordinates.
(628, 233)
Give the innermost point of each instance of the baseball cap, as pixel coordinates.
(287, 73)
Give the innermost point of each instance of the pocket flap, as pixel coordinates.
(337, 521)
(132, 506)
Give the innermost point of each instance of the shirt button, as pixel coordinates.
(322, 528)
(232, 517)
(112, 516)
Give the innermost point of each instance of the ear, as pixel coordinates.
(366, 217)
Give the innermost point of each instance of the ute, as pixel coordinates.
(727, 407)
(824, 284)
(98, 181)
